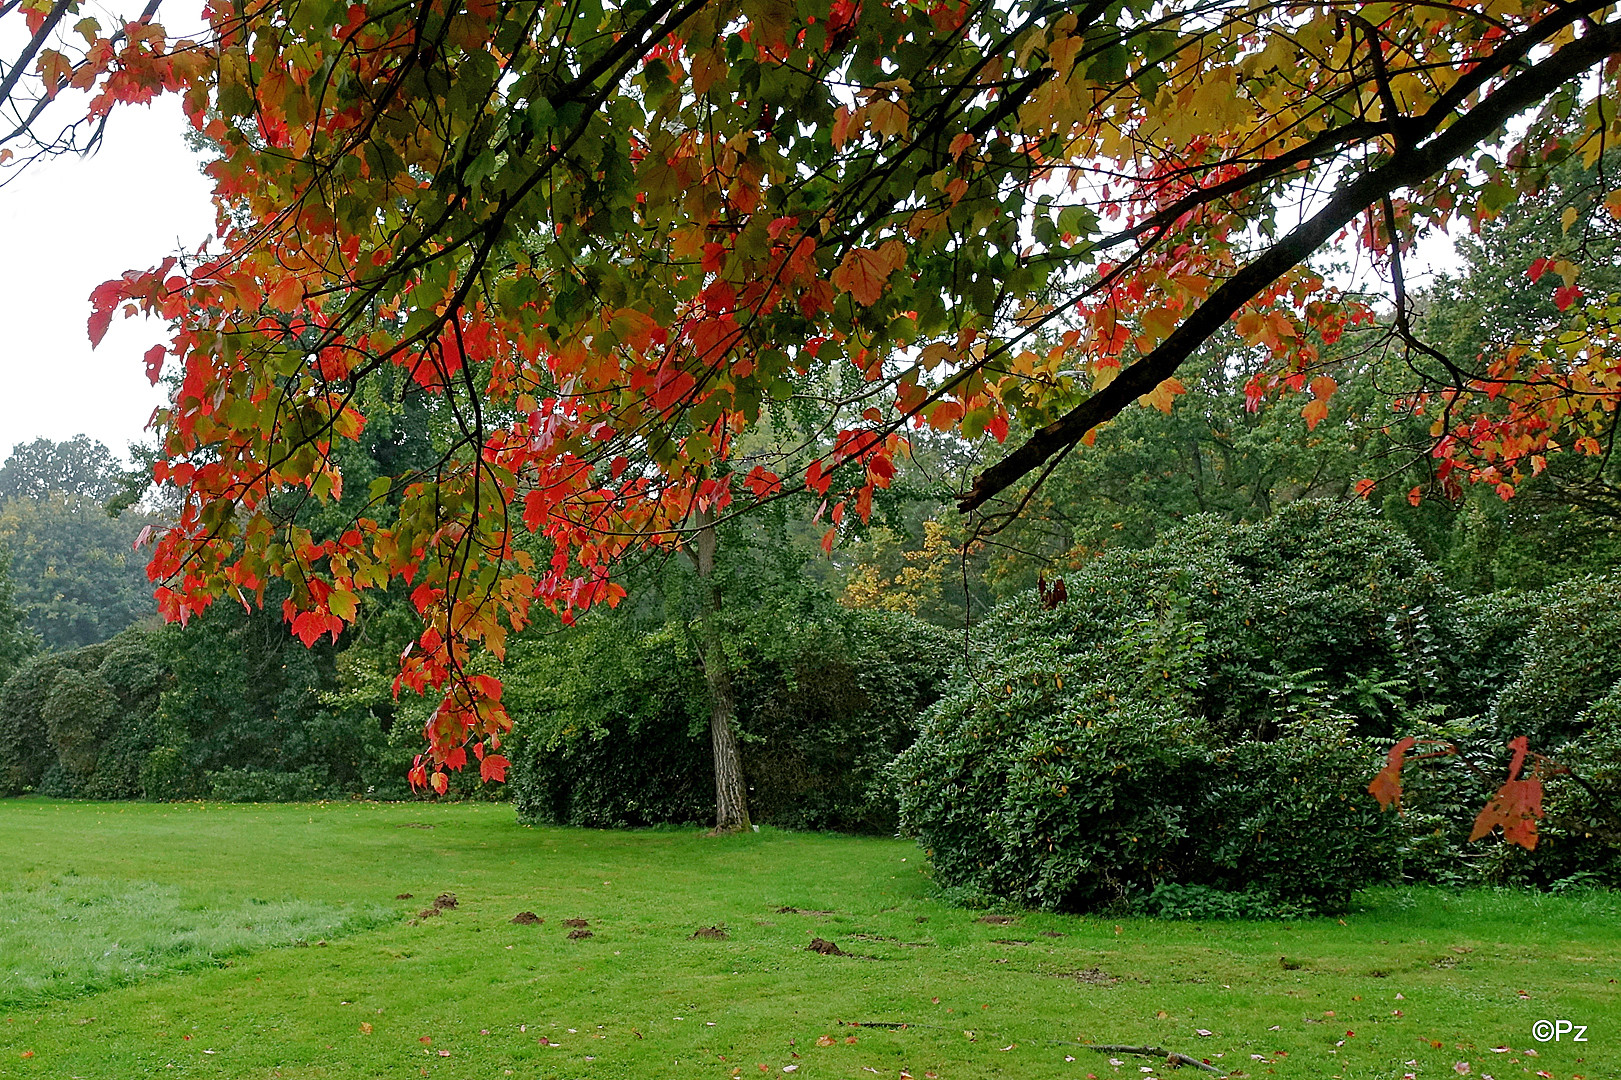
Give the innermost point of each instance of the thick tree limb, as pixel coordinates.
(1405, 168)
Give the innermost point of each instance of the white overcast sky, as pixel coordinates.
(67, 225)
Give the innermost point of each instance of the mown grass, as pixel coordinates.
(1425, 980)
(67, 935)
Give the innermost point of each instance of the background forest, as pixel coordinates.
(1252, 609)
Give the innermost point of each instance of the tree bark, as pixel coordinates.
(731, 790)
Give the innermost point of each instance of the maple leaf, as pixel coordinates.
(863, 273)
(1516, 806)
(1386, 786)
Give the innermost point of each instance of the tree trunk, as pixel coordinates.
(731, 791)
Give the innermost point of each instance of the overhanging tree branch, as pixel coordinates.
(1405, 168)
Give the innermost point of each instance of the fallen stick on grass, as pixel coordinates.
(1155, 1051)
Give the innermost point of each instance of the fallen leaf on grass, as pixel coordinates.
(824, 1040)
(365, 1029)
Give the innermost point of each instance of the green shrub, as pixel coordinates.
(1292, 818)
(262, 785)
(83, 720)
(1172, 901)
(1572, 659)
(1075, 799)
(1579, 836)
(79, 713)
(1198, 713)
(165, 776)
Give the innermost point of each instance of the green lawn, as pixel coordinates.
(266, 941)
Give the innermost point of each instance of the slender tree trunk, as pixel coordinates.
(731, 791)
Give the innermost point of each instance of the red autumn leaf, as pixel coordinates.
(1516, 806)
(816, 479)
(493, 767)
(440, 783)
(863, 274)
(309, 626)
(1364, 488)
(1386, 786)
(1538, 268)
(103, 299)
(1566, 295)
(154, 363)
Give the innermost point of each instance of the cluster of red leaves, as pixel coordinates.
(1515, 808)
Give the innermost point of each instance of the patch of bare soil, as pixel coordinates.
(445, 900)
(1052, 933)
(428, 913)
(578, 933)
(527, 918)
(1090, 976)
(711, 933)
(578, 924)
(800, 911)
(996, 920)
(826, 948)
(414, 825)
(404, 896)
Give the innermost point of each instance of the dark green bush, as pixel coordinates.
(1198, 713)
(613, 719)
(85, 719)
(80, 713)
(1579, 837)
(1075, 799)
(1572, 659)
(309, 784)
